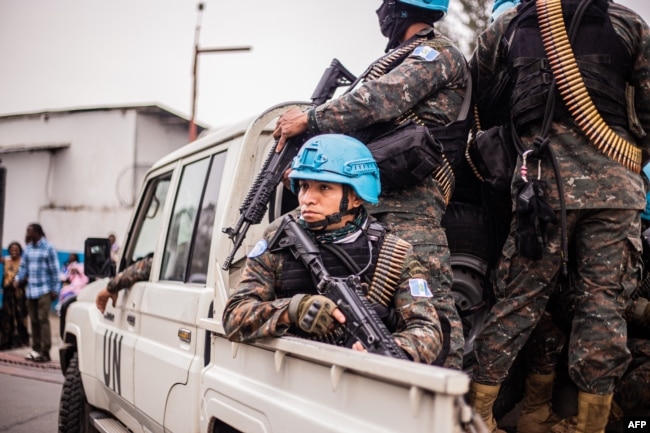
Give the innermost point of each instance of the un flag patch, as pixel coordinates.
(258, 249)
(425, 52)
(419, 288)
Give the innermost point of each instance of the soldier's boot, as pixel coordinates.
(481, 398)
(537, 412)
(593, 414)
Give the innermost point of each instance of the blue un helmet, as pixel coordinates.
(340, 159)
(500, 6)
(432, 5)
(395, 16)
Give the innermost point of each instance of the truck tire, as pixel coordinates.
(74, 409)
(473, 243)
(469, 243)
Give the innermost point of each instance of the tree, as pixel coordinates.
(465, 21)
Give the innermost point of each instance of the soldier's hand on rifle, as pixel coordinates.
(315, 314)
(291, 123)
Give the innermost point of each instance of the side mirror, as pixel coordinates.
(97, 258)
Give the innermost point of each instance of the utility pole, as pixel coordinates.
(197, 51)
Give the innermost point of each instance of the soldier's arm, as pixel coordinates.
(254, 311)
(419, 333)
(139, 271)
(393, 94)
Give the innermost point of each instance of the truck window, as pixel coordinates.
(200, 256)
(148, 219)
(187, 247)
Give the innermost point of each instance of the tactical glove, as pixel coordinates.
(312, 313)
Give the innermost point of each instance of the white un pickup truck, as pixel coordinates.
(159, 361)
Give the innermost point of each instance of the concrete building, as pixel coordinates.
(78, 172)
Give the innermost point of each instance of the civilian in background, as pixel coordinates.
(13, 325)
(115, 249)
(40, 269)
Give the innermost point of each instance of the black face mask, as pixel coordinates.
(393, 23)
(386, 15)
(395, 19)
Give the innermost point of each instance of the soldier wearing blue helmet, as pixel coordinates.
(422, 78)
(333, 176)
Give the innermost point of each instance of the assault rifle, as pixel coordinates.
(362, 321)
(257, 199)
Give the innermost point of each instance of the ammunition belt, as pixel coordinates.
(379, 68)
(572, 88)
(388, 270)
(476, 128)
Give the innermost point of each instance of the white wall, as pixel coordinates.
(88, 188)
(25, 192)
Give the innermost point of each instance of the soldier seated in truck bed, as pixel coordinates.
(333, 176)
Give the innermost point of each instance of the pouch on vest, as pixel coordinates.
(405, 155)
(494, 156)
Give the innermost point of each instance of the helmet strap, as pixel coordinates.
(336, 218)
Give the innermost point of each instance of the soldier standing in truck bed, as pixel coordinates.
(594, 192)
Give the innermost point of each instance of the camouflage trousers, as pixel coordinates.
(607, 268)
(430, 246)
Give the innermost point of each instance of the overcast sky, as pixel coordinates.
(86, 53)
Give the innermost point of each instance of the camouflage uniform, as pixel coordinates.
(138, 271)
(433, 88)
(253, 311)
(632, 391)
(602, 199)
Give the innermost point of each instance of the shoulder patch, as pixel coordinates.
(258, 249)
(419, 288)
(425, 52)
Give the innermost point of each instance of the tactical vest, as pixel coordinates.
(296, 279)
(601, 56)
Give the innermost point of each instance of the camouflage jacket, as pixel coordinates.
(253, 311)
(591, 180)
(430, 81)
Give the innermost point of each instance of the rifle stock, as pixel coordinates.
(257, 199)
(361, 319)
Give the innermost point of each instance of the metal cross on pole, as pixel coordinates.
(197, 51)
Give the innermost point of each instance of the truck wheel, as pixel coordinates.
(74, 409)
(469, 242)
